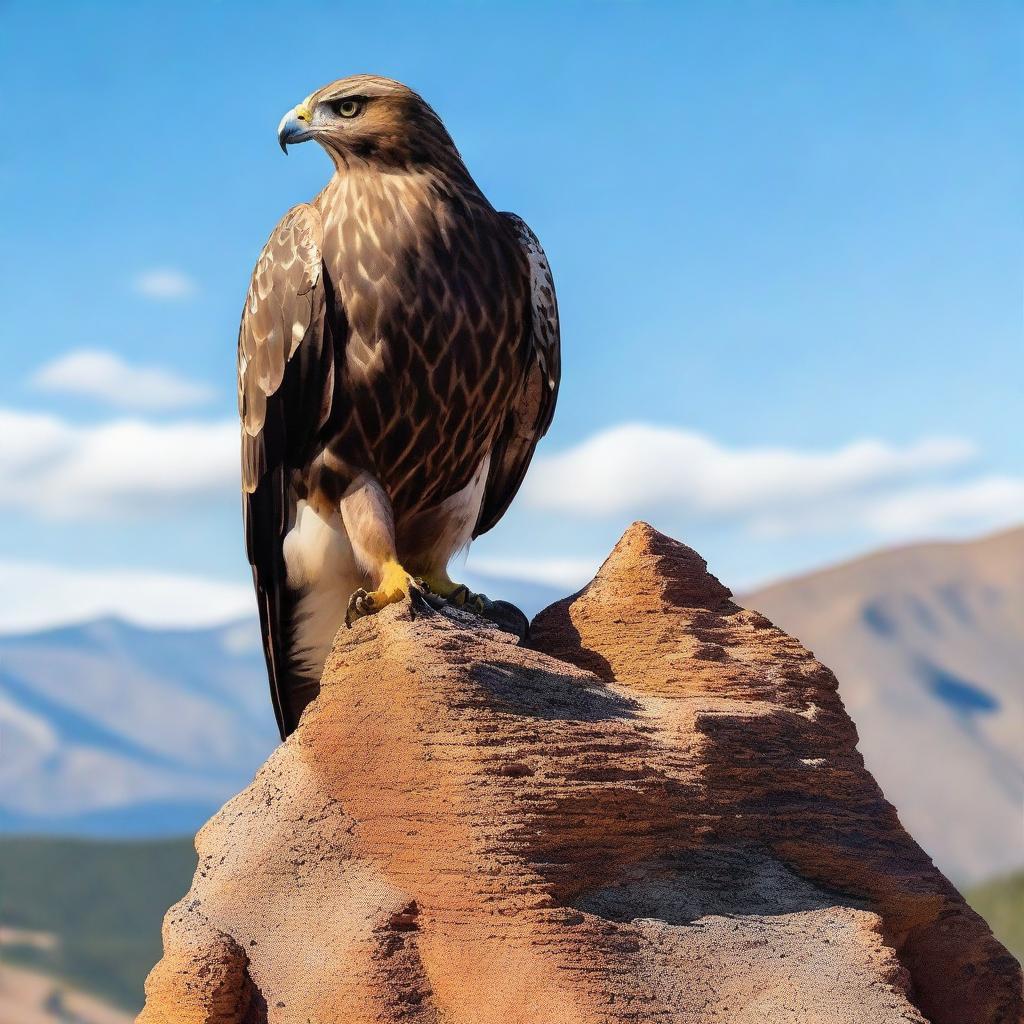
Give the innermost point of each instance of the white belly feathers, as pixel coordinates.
(320, 564)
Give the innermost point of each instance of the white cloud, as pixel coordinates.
(54, 469)
(51, 595)
(165, 284)
(59, 470)
(634, 469)
(565, 573)
(979, 504)
(107, 377)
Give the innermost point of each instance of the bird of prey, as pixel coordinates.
(398, 361)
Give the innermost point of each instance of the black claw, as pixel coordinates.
(356, 604)
(418, 596)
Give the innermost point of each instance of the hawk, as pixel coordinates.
(398, 361)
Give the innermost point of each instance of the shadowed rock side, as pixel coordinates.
(656, 815)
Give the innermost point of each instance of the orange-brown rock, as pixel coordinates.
(657, 814)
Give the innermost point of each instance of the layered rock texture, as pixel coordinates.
(928, 646)
(657, 813)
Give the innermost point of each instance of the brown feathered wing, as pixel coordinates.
(285, 387)
(530, 418)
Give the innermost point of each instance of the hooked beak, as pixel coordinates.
(295, 127)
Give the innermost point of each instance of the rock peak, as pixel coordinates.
(646, 564)
(657, 814)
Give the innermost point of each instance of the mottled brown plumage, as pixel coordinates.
(398, 362)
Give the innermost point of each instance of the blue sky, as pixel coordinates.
(786, 239)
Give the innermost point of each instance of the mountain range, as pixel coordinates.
(111, 729)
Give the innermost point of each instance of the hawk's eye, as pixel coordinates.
(348, 108)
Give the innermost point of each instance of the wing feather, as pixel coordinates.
(285, 388)
(530, 418)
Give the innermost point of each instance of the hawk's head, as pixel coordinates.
(375, 119)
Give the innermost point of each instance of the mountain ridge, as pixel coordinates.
(1012, 535)
(112, 728)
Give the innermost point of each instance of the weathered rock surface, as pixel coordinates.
(657, 814)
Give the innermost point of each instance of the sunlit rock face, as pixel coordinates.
(656, 812)
(927, 645)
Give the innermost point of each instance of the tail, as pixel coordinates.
(291, 689)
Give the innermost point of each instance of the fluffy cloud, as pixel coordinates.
(634, 468)
(50, 595)
(978, 504)
(900, 492)
(108, 378)
(165, 284)
(58, 470)
(55, 469)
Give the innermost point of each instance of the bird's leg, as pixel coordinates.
(369, 523)
(439, 582)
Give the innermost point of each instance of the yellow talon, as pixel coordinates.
(395, 585)
(457, 594)
(440, 584)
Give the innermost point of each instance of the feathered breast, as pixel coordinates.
(431, 301)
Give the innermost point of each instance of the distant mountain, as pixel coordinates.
(928, 645)
(112, 729)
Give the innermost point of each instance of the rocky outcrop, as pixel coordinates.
(655, 814)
